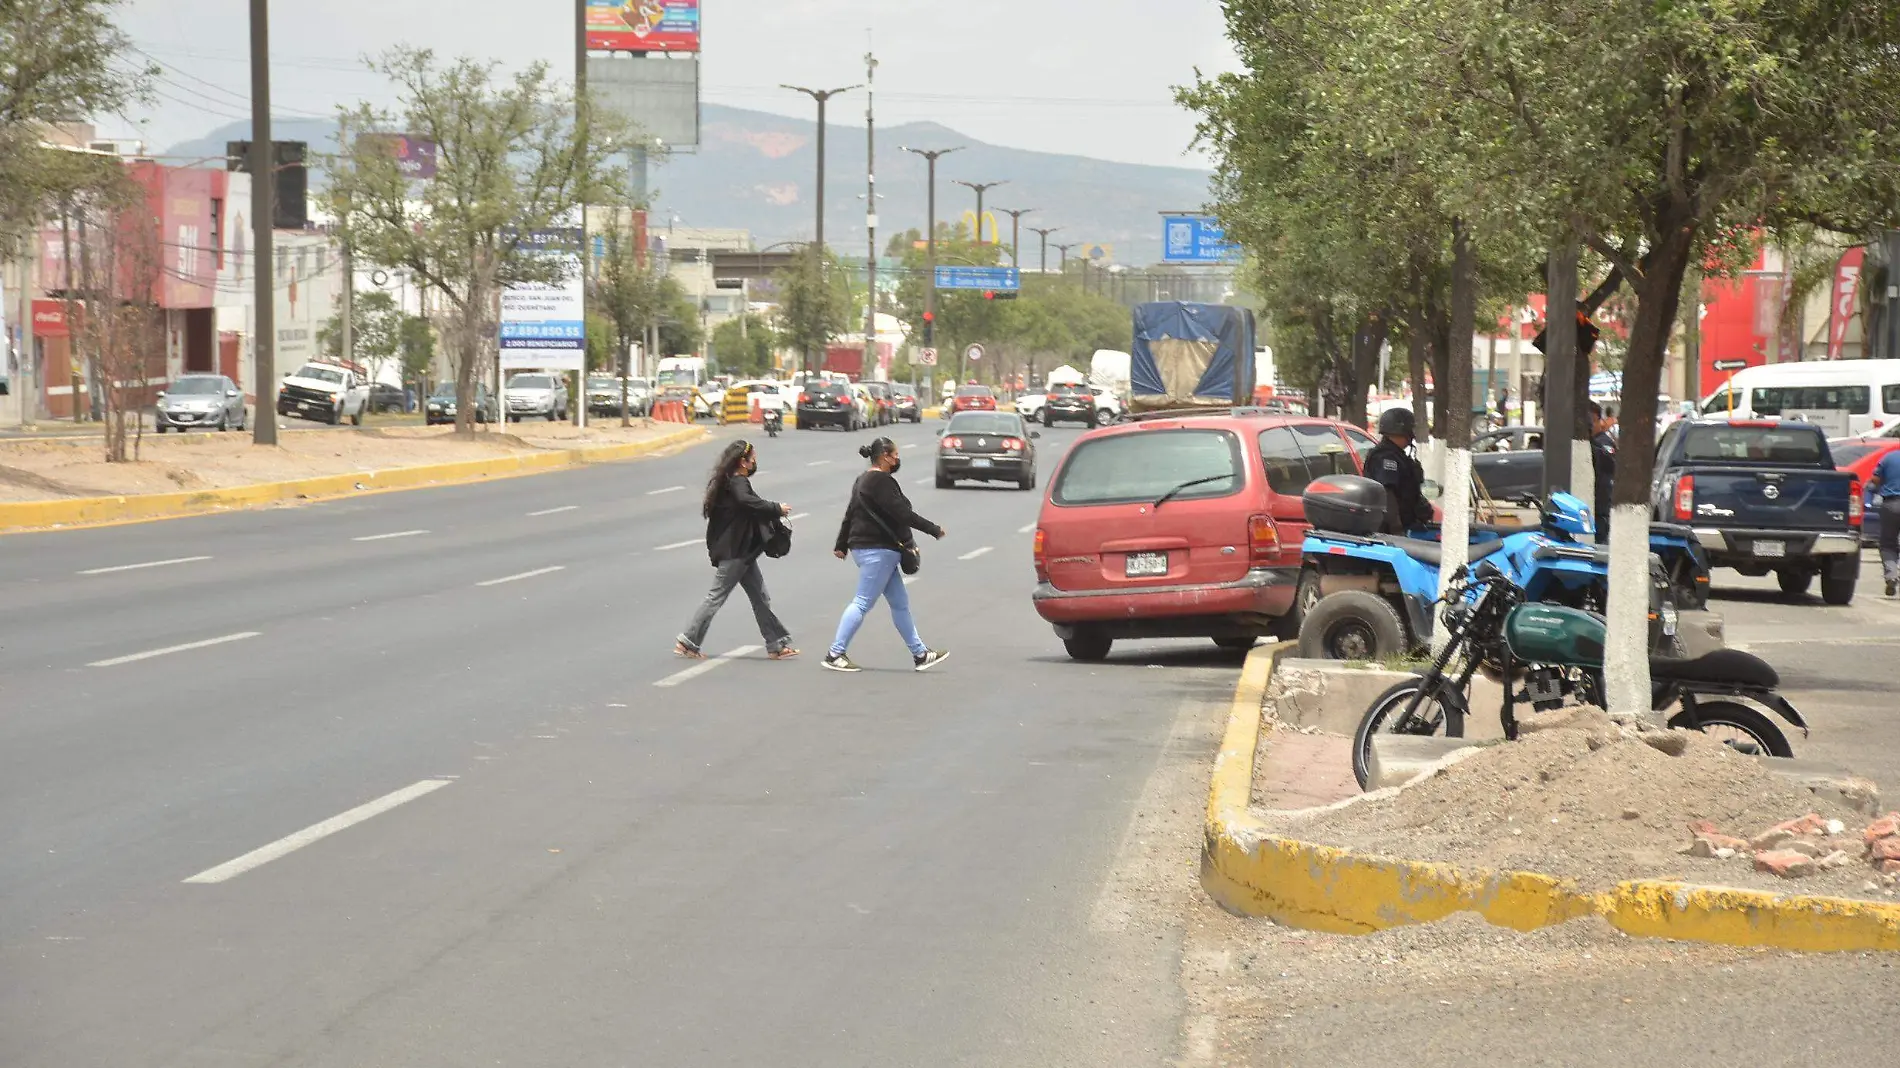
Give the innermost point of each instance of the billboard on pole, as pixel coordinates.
(643, 25)
(1195, 239)
(542, 324)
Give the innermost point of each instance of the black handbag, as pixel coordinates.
(909, 557)
(778, 538)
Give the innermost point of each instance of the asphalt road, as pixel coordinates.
(563, 862)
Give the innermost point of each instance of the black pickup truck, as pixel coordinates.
(1762, 496)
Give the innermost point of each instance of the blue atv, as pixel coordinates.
(1369, 596)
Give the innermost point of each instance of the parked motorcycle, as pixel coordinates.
(1546, 656)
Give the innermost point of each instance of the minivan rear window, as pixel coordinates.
(1145, 466)
(1773, 400)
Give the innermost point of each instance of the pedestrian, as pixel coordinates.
(739, 524)
(1392, 465)
(1603, 462)
(876, 534)
(1883, 492)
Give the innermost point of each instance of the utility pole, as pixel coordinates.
(870, 211)
(1044, 232)
(981, 188)
(583, 252)
(818, 241)
(930, 244)
(1015, 234)
(263, 273)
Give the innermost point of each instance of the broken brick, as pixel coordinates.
(1885, 827)
(1770, 838)
(1888, 867)
(1703, 827)
(1784, 862)
(1808, 847)
(1886, 849)
(1812, 823)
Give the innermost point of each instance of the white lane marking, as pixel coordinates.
(974, 553)
(553, 511)
(136, 567)
(797, 516)
(150, 653)
(908, 579)
(524, 575)
(707, 665)
(676, 545)
(669, 489)
(290, 843)
(1030, 529)
(386, 537)
(818, 463)
(926, 481)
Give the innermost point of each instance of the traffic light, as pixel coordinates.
(999, 294)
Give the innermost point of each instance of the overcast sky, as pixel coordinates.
(1083, 76)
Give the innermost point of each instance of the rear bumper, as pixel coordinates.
(1000, 467)
(1724, 545)
(1265, 594)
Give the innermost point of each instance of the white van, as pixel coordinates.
(1867, 390)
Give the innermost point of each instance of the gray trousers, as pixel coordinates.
(1890, 537)
(743, 574)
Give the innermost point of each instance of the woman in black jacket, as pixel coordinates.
(738, 525)
(876, 534)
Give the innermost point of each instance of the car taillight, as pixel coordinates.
(1013, 444)
(1685, 497)
(1854, 504)
(804, 398)
(953, 443)
(1042, 562)
(1263, 537)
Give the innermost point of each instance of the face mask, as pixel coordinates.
(896, 462)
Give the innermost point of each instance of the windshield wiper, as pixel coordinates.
(1189, 484)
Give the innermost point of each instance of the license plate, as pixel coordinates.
(1146, 565)
(1771, 548)
(303, 406)
(979, 462)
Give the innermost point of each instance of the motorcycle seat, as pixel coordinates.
(1431, 552)
(1726, 667)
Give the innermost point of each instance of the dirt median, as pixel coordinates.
(43, 470)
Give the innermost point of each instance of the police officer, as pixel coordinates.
(1603, 462)
(1391, 464)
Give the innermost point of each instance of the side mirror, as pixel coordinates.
(228, 393)
(940, 431)
(161, 393)
(1430, 490)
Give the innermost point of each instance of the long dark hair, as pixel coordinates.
(728, 465)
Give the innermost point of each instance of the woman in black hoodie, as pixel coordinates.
(738, 524)
(876, 535)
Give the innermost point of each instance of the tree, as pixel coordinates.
(415, 344)
(811, 311)
(377, 336)
(747, 344)
(513, 159)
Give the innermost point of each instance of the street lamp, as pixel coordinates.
(821, 95)
(1044, 232)
(1064, 249)
(930, 243)
(981, 188)
(1015, 234)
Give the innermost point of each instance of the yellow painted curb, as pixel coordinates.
(1249, 870)
(16, 517)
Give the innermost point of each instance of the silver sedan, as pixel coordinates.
(200, 402)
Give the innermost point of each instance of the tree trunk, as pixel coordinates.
(1455, 397)
(1626, 651)
(1560, 401)
(1418, 352)
(1364, 366)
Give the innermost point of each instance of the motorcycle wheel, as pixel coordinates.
(1352, 625)
(1441, 712)
(1738, 726)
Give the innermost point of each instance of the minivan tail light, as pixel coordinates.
(1042, 560)
(1855, 506)
(1685, 497)
(1263, 537)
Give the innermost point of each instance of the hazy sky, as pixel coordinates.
(1082, 76)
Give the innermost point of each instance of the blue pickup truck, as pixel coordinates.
(1763, 496)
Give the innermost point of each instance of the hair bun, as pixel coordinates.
(864, 451)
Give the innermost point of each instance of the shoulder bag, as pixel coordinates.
(910, 557)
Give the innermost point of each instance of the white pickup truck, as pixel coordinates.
(327, 392)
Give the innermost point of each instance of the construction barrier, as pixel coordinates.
(671, 411)
(757, 414)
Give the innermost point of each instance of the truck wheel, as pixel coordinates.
(357, 419)
(1837, 584)
(1088, 646)
(1352, 625)
(1794, 583)
(336, 415)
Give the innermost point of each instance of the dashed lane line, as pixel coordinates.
(524, 575)
(316, 832)
(704, 666)
(386, 537)
(140, 567)
(668, 489)
(974, 553)
(168, 650)
(553, 511)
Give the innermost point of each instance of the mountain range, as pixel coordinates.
(756, 171)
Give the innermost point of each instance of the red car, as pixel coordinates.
(970, 399)
(1860, 455)
(1183, 527)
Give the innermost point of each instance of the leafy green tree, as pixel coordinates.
(513, 158)
(377, 335)
(747, 345)
(415, 343)
(811, 310)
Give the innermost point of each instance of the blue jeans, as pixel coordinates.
(879, 575)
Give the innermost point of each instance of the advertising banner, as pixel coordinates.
(1840, 310)
(643, 25)
(1195, 239)
(542, 325)
(415, 156)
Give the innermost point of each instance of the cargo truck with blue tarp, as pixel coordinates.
(1191, 356)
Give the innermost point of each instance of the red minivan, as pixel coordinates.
(1183, 527)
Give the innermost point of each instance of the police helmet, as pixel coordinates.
(1397, 423)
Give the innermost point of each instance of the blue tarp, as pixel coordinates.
(1184, 354)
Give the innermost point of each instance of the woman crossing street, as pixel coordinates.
(876, 535)
(739, 524)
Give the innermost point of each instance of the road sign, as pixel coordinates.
(927, 357)
(1729, 365)
(974, 352)
(1195, 239)
(979, 278)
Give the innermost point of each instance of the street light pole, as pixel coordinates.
(1015, 234)
(580, 133)
(1064, 249)
(930, 243)
(818, 240)
(1044, 232)
(263, 273)
(981, 188)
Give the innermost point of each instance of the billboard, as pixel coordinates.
(415, 156)
(1195, 239)
(542, 324)
(643, 25)
(660, 99)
